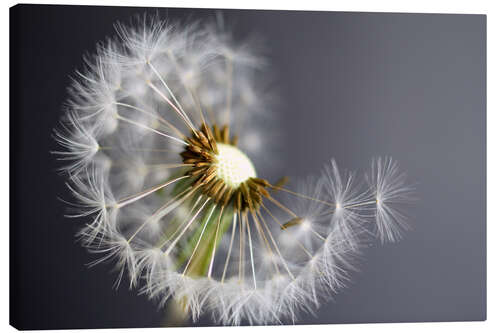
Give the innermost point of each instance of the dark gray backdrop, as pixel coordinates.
(352, 85)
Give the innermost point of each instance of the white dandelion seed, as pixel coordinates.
(389, 187)
(79, 141)
(164, 125)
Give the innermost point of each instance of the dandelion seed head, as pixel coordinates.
(165, 130)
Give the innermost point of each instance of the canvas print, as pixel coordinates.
(188, 167)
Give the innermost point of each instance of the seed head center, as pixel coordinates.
(233, 166)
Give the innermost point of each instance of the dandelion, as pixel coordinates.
(164, 135)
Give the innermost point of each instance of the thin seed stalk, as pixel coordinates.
(201, 260)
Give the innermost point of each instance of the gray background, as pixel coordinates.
(352, 86)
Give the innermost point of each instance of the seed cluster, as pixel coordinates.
(202, 152)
